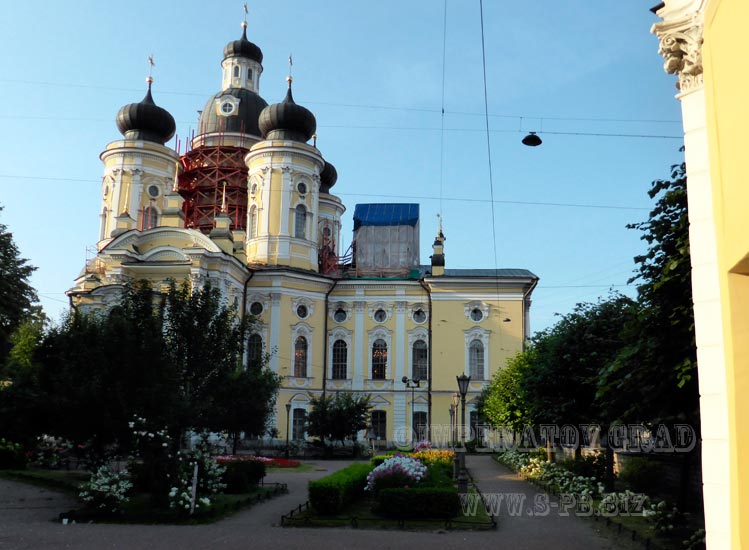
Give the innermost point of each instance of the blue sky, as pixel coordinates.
(372, 72)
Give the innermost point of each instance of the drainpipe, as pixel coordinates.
(244, 312)
(325, 339)
(429, 363)
(525, 323)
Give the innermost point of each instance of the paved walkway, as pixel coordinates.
(26, 515)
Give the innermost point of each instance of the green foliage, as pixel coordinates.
(11, 456)
(641, 474)
(590, 465)
(420, 502)
(655, 375)
(242, 476)
(338, 417)
(560, 381)
(173, 359)
(17, 296)
(504, 401)
(379, 459)
(330, 494)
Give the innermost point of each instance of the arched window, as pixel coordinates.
(255, 351)
(299, 421)
(340, 359)
(476, 360)
(236, 71)
(252, 222)
(300, 221)
(379, 359)
(150, 217)
(300, 357)
(249, 75)
(419, 360)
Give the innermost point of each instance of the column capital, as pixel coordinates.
(680, 36)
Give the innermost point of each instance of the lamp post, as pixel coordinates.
(454, 435)
(288, 418)
(463, 382)
(412, 384)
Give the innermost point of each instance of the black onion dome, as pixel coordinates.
(146, 121)
(328, 177)
(245, 120)
(287, 120)
(243, 48)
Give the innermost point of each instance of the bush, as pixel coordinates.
(11, 456)
(641, 474)
(106, 491)
(428, 502)
(396, 471)
(241, 476)
(330, 494)
(588, 465)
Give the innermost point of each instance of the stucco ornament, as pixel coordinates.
(680, 36)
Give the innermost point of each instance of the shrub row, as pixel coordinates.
(241, 476)
(428, 502)
(330, 494)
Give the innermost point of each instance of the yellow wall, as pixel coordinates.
(726, 82)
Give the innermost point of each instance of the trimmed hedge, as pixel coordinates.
(330, 494)
(379, 459)
(428, 502)
(242, 476)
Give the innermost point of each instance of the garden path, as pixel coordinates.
(26, 514)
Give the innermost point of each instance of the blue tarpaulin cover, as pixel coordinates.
(386, 214)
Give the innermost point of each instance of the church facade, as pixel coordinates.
(250, 208)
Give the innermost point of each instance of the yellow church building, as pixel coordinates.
(249, 207)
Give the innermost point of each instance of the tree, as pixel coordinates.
(561, 381)
(338, 417)
(244, 402)
(17, 296)
(654, 378)
(204, 342)
(504, 403)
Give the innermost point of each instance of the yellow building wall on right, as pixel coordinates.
(727, 108)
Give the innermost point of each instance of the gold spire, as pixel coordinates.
(175, 185)
(244, 23)
(290, 78)
(223, 201)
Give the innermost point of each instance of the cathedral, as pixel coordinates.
(250, 207)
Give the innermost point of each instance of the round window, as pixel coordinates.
(340, 315)
(256, 308)
(153, 190)
(380, 315)
(420, 316)
(227, 108)
(301, 311)
(301, 187)
(477, 314)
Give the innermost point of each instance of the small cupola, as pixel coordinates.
(328, 177)
(438, 253)
(287, 120)
(146, 120)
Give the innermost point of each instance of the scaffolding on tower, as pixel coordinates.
(201, 184)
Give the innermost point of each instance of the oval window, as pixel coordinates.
(477, 314)
(301, 311)
(340, 315)
(256, 308)
(420, 316)
(380, 315)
